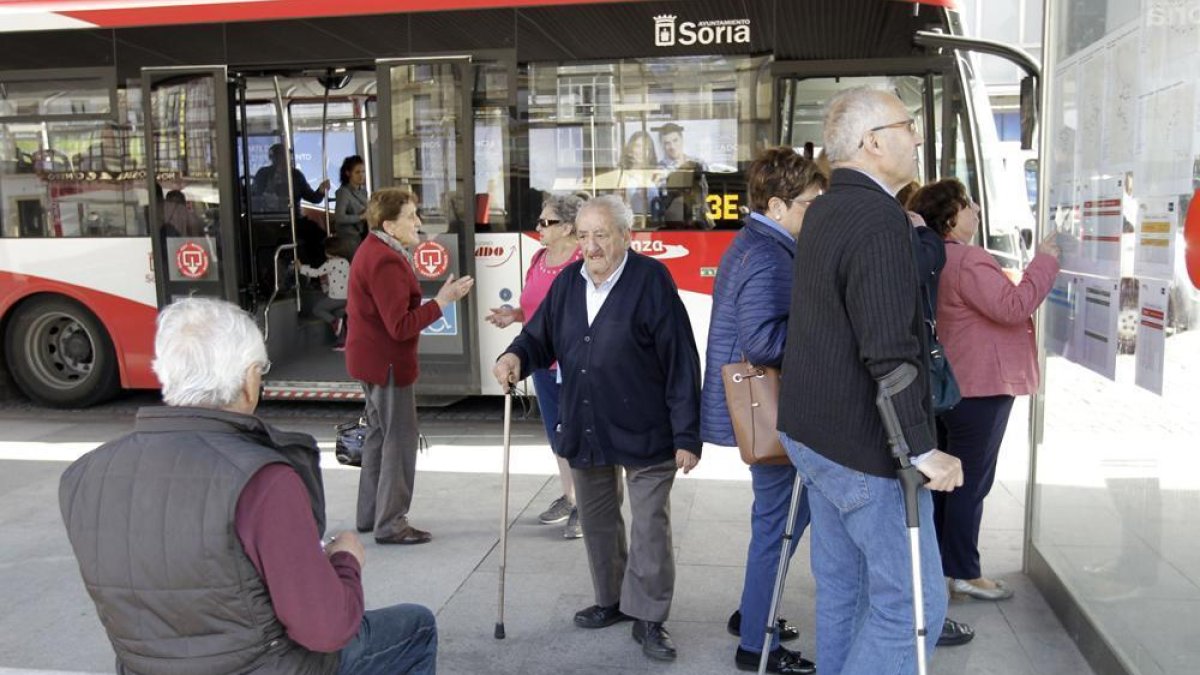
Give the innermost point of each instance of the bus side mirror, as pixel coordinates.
(1029, 111)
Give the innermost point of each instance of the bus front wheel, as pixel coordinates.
(59, 353)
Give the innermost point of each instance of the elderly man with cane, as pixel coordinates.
(855, 336)
(630, 402)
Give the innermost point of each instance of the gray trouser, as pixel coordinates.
(327, 309)
(642, 577)
(389, 463)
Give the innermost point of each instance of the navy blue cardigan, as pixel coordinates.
(749, 317)
(631, 381)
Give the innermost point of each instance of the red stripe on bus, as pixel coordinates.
(286, 9)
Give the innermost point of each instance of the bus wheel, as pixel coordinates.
(59, 353)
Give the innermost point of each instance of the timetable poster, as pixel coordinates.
(1151, 335)
(1154, 249)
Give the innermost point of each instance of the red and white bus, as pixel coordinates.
(111, 110)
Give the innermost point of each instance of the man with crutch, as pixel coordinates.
(855, 321)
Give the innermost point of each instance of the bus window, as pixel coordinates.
(671, 136)
(72, 178)
(492, 150)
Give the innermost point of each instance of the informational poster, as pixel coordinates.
(1120, 108)
(1154, 248)
(1091, 236)
(1060, 313)
(1096, 335)
(1165, 151)
(1151, 335)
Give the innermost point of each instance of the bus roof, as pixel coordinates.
(37, 15)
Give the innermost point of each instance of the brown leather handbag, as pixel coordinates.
(752, 396)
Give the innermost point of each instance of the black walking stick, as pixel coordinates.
(910, 480)
(499, 633)
(784, 558)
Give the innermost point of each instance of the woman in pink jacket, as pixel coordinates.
(984, 321)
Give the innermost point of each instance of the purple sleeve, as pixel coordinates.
(318, 599)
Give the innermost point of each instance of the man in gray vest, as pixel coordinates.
(198, 535)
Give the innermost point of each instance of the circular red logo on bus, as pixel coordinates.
(191, 260)
(431, 259)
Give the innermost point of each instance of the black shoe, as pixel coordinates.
(783, 661)
(786, 630)
(600, 617)
(955, 633)
(408, 536)
(654, 639)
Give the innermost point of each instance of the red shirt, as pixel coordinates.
(318, 599)
(386, 315)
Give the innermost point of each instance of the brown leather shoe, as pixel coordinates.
(409, 535)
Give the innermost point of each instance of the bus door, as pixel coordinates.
(426, 138)
(189, 175)
(932, 90)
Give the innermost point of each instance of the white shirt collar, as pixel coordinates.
(878, 182)
(608, 283)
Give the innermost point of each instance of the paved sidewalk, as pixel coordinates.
(49, 624)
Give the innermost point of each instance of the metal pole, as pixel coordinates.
(325, 148)
(499, 632)
(286, 128)
(785, 550)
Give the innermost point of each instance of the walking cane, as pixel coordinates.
(784, 558)
(910, 480)
(499, 633)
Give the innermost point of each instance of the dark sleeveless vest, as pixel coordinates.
(150, 517)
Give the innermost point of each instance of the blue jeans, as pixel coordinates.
(768, 518)
(861, 562)
(545, 385)
(393, 640)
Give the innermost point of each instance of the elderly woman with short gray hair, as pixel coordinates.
(556, 227)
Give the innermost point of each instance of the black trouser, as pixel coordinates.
(972, 432)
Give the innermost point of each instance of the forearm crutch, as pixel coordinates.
(499, 632)
(785, 551)
(910, 480)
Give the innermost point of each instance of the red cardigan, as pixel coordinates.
(385, 315)
(983, 320)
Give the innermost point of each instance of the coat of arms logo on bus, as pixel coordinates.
(191, 260)
(664, 30)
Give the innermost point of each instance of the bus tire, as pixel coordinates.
(60, 354)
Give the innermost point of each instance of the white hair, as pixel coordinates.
(848, 118)
(202, 351)
(616, 212)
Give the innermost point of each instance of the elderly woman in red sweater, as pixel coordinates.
(386, 315)
(984, 322)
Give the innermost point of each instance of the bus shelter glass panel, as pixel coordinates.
(184, 140)
(671, 136)
(1117, 467)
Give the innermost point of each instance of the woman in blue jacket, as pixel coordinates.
(749, 321)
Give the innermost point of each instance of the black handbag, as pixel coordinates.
(944, 393)
(348, 447)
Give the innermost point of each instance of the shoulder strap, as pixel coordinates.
(930, 317)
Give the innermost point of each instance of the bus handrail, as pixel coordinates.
(1018, 56)
(275, 292)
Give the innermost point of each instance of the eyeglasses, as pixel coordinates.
(796, 200)
(910, 123)
(264, 368)
(547, 222)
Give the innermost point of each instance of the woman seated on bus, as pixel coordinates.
(350, 216)
(984, 323)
